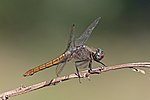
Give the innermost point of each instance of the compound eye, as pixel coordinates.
(98, 56)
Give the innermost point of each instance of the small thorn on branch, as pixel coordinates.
(139, 71)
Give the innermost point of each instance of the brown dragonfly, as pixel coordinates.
(76, 49)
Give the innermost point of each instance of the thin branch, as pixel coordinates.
(22, 89)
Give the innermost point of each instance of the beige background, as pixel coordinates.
(36, 31)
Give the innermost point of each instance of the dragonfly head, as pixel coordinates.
(99, 54)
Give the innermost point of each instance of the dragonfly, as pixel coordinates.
(76, 49)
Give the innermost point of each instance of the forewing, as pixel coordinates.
(71, 43)
(84, 37)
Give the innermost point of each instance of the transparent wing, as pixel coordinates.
(71, 43)
(82, 63)
(59, 68)
(84, 37)
(62, 64)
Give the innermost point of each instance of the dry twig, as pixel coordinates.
(83, 74)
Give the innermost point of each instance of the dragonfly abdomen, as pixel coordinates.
(45, 65)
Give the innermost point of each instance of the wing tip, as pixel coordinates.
(97, 20)
(99, 17)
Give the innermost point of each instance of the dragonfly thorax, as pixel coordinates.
(98, 55)
(78, 48)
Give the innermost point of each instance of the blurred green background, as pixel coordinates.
(33, 32)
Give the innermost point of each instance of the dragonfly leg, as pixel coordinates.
(102, 63)
(77, 70)
(79, 64)
(90, 66)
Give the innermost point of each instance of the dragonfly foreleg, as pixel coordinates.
(101, 63)
(90, 68)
